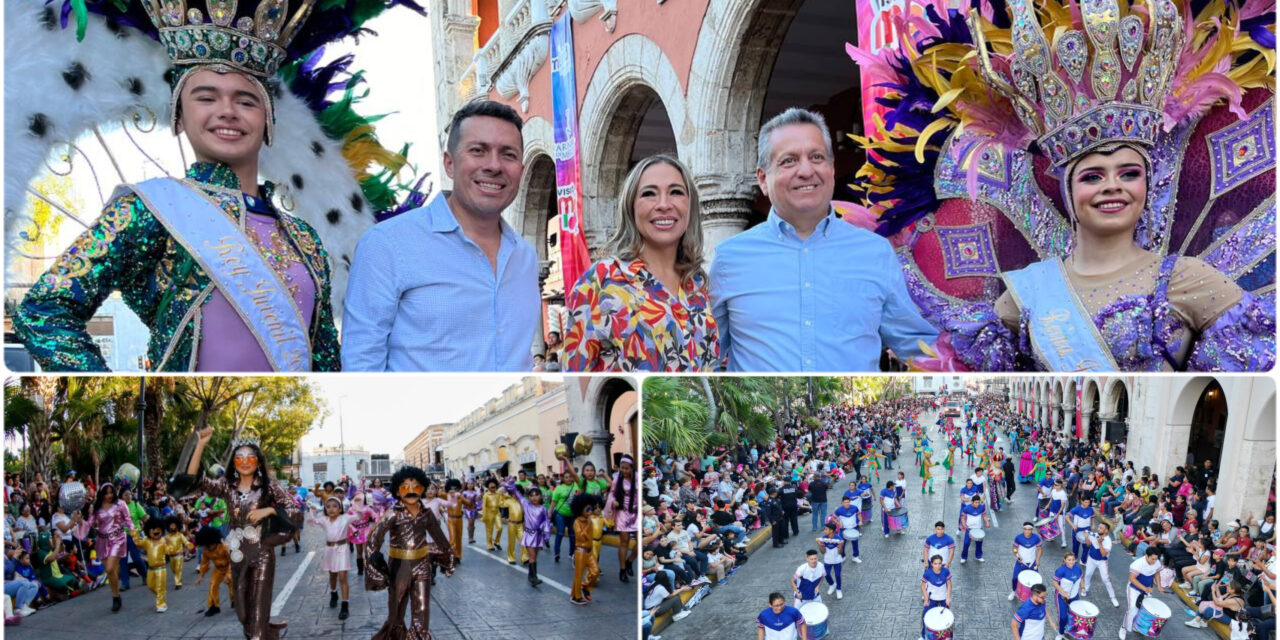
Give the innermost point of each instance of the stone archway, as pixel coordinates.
(631, 75)
(737, 47)
(538, 144)
(1090, 400)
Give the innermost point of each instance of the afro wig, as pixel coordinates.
(208, 536)
(407, 473)
(155, 523)
(581, 502)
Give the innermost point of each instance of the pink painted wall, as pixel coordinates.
(673, 26)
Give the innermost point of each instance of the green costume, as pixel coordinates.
(128, 250)
(47, 569)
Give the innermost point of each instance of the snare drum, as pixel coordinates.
(977, 534)
(815, 618)
(898, 519)
(937, 624)
(852, 534)
(1082, 617)
(1082, 536)
(1151, 617)
(1048, 528)
(1027, 579)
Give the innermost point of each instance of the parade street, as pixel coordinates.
(882, 595)
(486, 599)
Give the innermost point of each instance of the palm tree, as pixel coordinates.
(20, 412)
(675, 416)
(83, 414)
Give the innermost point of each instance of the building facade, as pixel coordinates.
(329, 464)
(502, 435)
(1166, 422)
(426, 450)
(696, 78)
(521, 428)
(932, 385)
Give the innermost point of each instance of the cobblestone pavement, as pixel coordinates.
(882, 595)
(486, 599)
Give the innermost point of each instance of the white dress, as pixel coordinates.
(337, 556)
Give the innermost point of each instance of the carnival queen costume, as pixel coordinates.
(224, 281)
(989, 110)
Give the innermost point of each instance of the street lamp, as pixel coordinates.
(142, 413)
(342, 443)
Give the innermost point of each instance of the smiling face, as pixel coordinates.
(224, 116)
(661, 206)
(800, 178)
(246, 461)
(1109, 191)
(486, 166)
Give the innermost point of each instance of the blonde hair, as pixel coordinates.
(627, 242)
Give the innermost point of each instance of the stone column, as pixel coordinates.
(583, 419)
(454, 40)
(1085, 416)
(726, 206)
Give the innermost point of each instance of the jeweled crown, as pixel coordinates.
(246, 440)
(1079, 88)
(250, 38)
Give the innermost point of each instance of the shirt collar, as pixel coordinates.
(443, 219)
(782, 227)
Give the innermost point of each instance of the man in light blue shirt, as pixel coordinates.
(450, 286)
(804, 290)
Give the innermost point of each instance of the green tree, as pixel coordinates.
(674, 414)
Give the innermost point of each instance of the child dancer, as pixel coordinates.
(489, 513)
(416, 541)
(156, 547)
(537, 525)
(621, 507)
(832, 561)
(874, 456)
(179, 544)
(926, 471)
(585, 569)
(471, 499)
(337, 559)
(214, 556)
(363, 517)
(454, 507)
(515, 525)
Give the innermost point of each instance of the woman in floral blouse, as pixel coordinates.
(645, 307)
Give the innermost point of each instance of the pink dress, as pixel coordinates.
(114, 524)
(337, 557)
(362, 519)
(624, 515)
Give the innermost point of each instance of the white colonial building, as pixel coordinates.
(1168, 421)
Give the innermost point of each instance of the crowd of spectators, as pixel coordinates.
(699, 511)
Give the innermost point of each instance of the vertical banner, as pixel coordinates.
(1079, 406)
(876, 30)
(574, 257)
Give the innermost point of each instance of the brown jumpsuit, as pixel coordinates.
(254, 575)
(416, 543)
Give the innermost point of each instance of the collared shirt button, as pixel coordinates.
(808, 285)
(808, 323)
